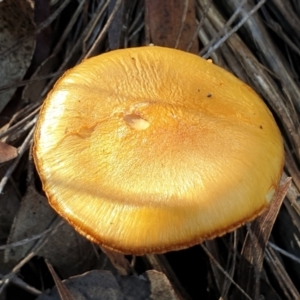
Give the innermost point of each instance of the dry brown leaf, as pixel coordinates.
(33, 217)
(7, 152)
(255, 244)
(171, 23)
(68, 252)
(262, 226)
(16, 44)
(102, 285)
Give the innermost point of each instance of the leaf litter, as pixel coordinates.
(257, 41)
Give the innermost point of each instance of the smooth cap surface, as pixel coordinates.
(153, 149)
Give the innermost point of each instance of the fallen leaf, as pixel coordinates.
(17, 44)
(103, 285)
(172, 23)
(68, 252)
(7, 152)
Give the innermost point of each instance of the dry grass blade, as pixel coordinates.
(200, 24)
(294, 206)
(13, 129)
(215, 262)
(80, 44)
(62, 290)
(283, 279)
(25, 241)
(119, 27)
(26, 82)
(208, 45)
(223, 281)
(264, 83)
(39, 244)
(262, 226)
(18, 282)
(96, 45)
(221, 40)
(254, 246)
(283, 252)
(285, 10)
(269, 51)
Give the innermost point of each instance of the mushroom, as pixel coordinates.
(151, 149)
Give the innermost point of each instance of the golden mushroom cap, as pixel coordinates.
(153, 149)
